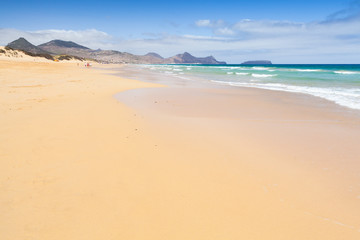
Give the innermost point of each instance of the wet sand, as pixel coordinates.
(286, 166)
(188, 161)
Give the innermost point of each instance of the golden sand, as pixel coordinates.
(78, 164)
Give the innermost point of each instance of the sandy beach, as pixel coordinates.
(93, 153)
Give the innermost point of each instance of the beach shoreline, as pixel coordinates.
(298, 135)
(336, 83)
(196, 82)
(82, 161)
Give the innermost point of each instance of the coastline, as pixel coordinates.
(297, 148)
(164, 163)
(337, 83)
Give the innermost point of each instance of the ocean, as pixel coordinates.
(338, 83)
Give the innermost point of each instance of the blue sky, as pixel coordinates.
(282, 31)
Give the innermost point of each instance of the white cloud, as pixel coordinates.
(351, 12)
(224, 31)
(209, 23)
(279, 41)
(203, 23)
(268, 27)
(199, 37)
(334, 40)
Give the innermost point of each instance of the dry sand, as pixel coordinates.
(204, 163)
(18, 56)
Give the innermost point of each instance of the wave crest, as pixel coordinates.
(263, 75)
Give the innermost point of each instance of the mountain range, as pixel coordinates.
(23, 44)
(60, 47)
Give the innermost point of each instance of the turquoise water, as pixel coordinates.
(337, 83)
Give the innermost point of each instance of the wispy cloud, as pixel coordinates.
(349, 13)
(200, 37)
(225, 31)
(274, 28)
(336, 39)
(210, 23)
(203, 23)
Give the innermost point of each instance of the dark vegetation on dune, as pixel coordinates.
(44, 55)
(68, 57)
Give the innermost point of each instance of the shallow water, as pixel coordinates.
(337, 83)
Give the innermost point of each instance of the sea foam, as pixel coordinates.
(263, 75)
(346, 72)
(308, 70)
(344, 97)
(260, 68)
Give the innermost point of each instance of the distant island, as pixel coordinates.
(257, 62)
(68, 48)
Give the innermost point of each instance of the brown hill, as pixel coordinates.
(23, 44)
(188, 58)
(60, 47)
